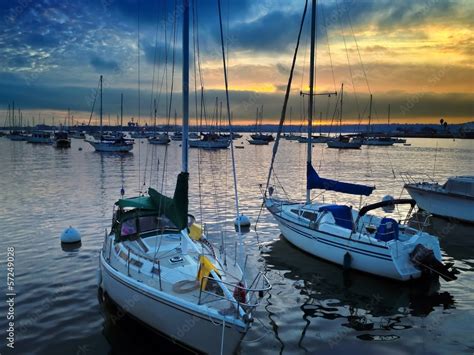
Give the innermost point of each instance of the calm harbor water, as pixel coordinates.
(313, 307)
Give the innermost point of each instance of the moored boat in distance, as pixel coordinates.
(210, 141)
(258, 141)
(109, 142)
(62, 140)
(343, 142)
(177, 136)
(17, 136)
(40, 137)
(159, 139)
(262, 137)
(315, 139)
(379, 141)
(78, 135)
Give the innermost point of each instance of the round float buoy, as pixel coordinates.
(70, 235)
(388, 208)
(243, 220)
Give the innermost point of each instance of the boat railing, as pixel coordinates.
(410, 179)
(131, 257)
(419, 221)
(245, 298)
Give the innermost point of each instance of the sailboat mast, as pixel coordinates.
(154, 121)
(291, 111)
(370, 114)
(121, 111)
(311, 91)
(256, 121)
(340, 117)
(101, 107)
(388, 117)
(185, 85)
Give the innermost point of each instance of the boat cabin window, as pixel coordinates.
(148, 223)
(151, 223)
(144, 224)
(306, 214)
(309, 215)
(128, 227)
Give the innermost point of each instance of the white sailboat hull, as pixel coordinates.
(180, 322)
(258, 142)
(332, 243)
(17, 138)
(159, 140)
(39, 140)
(378, 143)
(443, 204)
(218, 144)
(109, 146)
(343, 145)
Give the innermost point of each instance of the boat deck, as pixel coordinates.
(159, 263)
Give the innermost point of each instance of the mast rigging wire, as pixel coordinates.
(285, 103)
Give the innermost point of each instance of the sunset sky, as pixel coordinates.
(416, 56)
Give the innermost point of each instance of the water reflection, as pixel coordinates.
(126, 335)
(455, 237)
(71, 247)
(362, 302)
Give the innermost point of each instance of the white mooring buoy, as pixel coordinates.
(70, 235)
(243, 220)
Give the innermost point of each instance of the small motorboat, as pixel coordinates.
(40, 137)
(62, 140)
(453, 199)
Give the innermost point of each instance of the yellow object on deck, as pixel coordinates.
(205, 267)
(195, 231)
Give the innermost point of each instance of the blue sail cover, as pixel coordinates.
(313, 181)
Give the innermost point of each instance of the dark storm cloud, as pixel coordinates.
(59, 42)
(268, 33)
(103, 65)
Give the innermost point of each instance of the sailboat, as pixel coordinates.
(259, 138)
(344, 235)
(111, 143)
(212, 140)
(157, 257)
(40, 137)
(378, 140)
(342, 142)
(15, 134)
(161, 138)
(61, 137)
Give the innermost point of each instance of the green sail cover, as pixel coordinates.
(176, 208)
